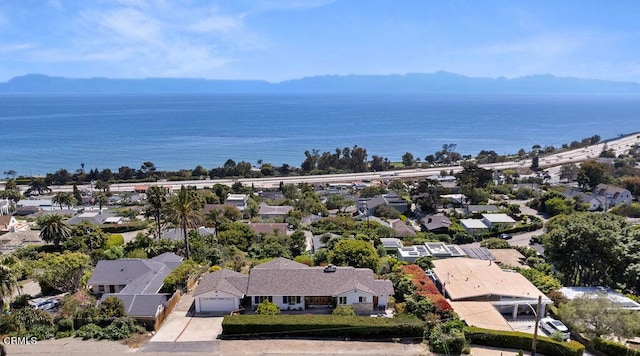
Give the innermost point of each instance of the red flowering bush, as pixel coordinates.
(426, 288)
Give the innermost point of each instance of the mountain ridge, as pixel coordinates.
(425, 83)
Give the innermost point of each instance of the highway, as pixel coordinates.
(619, 145)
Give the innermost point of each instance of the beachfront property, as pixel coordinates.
(292, 286)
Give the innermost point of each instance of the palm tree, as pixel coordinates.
(54, 229)
(156, 197)
(102, 199)
(183, 211)
(10, 184)
(38, 185)
(63, 198)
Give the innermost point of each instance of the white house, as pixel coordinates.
(492, 220)
(613, 195)
(237, 200)
(292, 286)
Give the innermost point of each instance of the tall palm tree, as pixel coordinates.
(183, 210)
(54, 229)
(101, 198)
(156, 198)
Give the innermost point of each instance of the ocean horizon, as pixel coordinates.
(44, 133)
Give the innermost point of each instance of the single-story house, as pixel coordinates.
(473, 226)
(266, 211)
(369, 206)
(436, 223)
(94, 217)
(497, 220)
(474, 209)
(237, 200)
(292, 286)
(137, 282)
(467, 281)
(402, 229)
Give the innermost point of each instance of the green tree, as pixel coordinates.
(156, 200)
(91, 234)
(101, 198)
(62, 271)
(184, 212)
(407, 159)
(495, 242)
(54, 229)
(556, 206)
(355, 253)
(112, 307)
(592, 173)
(7, 283)
(598, 317)
(63, 198)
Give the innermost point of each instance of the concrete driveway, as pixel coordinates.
(182, 326)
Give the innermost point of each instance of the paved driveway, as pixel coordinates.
(181, 326)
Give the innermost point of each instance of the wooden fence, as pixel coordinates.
(171, 303)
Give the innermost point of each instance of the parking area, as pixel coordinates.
(182, 326)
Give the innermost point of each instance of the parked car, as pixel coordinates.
(506, 236)
(551, 325)
(46, 304)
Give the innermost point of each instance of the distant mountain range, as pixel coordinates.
(433, 83)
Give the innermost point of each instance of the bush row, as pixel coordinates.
(522, 341)
(276, 326)
(612, 348)
(126, 227)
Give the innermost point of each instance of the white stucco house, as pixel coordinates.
(292, 286)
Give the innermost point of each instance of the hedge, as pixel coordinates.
(522, 341)
(126, 227)
(277, 326)
(613, 348)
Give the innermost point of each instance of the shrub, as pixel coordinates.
(426, 288)
(267, 308)
(115, 240)
(445, 341)
(307, 260)
(344, 310)
(65, 324)
(112, 307)
(89, 331)
(43, 332)
(177, 279)
(518, 340)
(242, 326)
(612, 348)
(214, 269)
(27, 318)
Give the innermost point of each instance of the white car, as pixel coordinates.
(551, 326)
(46, 304)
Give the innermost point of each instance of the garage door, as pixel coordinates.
(217, 304)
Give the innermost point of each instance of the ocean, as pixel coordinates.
(43, 133)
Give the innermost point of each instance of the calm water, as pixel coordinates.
(45, 133)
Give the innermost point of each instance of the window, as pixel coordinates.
(342, 300)
(362, 299)
(101, 289)
(112, 289)
(261, 298)
(292, 299)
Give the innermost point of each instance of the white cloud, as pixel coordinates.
(15, 47)
(542, 46)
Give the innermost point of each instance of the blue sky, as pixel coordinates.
(276, 40)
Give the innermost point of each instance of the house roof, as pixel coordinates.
(498, 218)
(390, 242)
(402, 229)
(285, 277)
(225, 280)
(467, 278)
(138, 275)
(601, 189)
(436, 222)
(617, 298)
(268, 228)
(265, 209)
(139, 305)
(481, 208)
(94, 217)
(473, 224)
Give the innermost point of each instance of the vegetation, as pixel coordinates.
(178, 278)
(61, 271)
(267, 308)
(522, 341)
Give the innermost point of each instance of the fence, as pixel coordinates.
(171, 303)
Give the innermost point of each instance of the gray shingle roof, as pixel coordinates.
(285, 277)
(139, 305)
(225, 280)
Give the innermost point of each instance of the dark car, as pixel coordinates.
(506, 236)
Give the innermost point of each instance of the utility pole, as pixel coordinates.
(535, 331)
